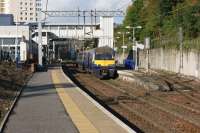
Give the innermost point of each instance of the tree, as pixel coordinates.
(164, 17)
(133, 13)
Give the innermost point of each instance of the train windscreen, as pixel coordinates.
(105, 56)
(104, 53)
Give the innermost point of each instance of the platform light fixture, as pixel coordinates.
(16, 39)
(134, 44)
(123, 47)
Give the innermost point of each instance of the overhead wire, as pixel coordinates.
(46, 8)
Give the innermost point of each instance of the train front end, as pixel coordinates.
(104, 61)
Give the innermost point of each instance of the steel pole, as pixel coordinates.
(16, 40)
(84, 30)
(114, 44)
(54, 50)
(40, 41)
(123, 48)
(136, 66)
(181, 49)
(2, 51)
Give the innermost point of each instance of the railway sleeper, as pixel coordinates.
(170, 112)
(146, 118)
(170, 108)
(176, 104)
(173, 87)
(162, 108)
(116, 100)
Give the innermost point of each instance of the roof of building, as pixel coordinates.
(64, 24)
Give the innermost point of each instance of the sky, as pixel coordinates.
(87, 5)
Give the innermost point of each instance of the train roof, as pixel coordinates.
(105, 49)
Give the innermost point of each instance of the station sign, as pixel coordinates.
(23, 51)
(124, 47)
(140, 46)
(134, 48)
(147, 43)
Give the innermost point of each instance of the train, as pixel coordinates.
(129, 62)
(99, 61)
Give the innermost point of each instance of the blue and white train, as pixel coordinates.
(99, 61)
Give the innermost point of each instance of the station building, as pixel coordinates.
(56, 37)
(11, 38)
(22, 10)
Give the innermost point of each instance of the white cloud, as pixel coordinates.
(87, 4)
(112, 4)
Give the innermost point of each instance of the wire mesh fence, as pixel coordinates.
(175, 52)
(173, 40)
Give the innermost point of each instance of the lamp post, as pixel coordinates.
(115, 40)
(134, 44)
(16, 39)
(123, 47)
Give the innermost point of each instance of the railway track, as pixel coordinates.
(148, 112)
(156, 107)
(139, 119)
(183, 113)
(168, 98)
(160, 100)
(115, 101)
(186, 95)
(152, 98)
(184, 86)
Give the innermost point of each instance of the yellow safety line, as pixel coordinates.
(78, 118)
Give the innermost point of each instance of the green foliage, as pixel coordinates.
(133, 13)
(160, 18)
(165, 7)
(191, 21)
(119, 41)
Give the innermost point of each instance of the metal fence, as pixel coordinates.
(175, 52)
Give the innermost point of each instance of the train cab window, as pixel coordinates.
(103, 57)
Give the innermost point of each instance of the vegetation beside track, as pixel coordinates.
(11, 81)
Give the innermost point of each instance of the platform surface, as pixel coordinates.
(51, 103)
(39, 109)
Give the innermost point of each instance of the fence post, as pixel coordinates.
(181, 48)
(147, 47)
(198, 65)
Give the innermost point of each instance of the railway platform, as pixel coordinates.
(159, 80)
(148, 80)
(52, 103)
